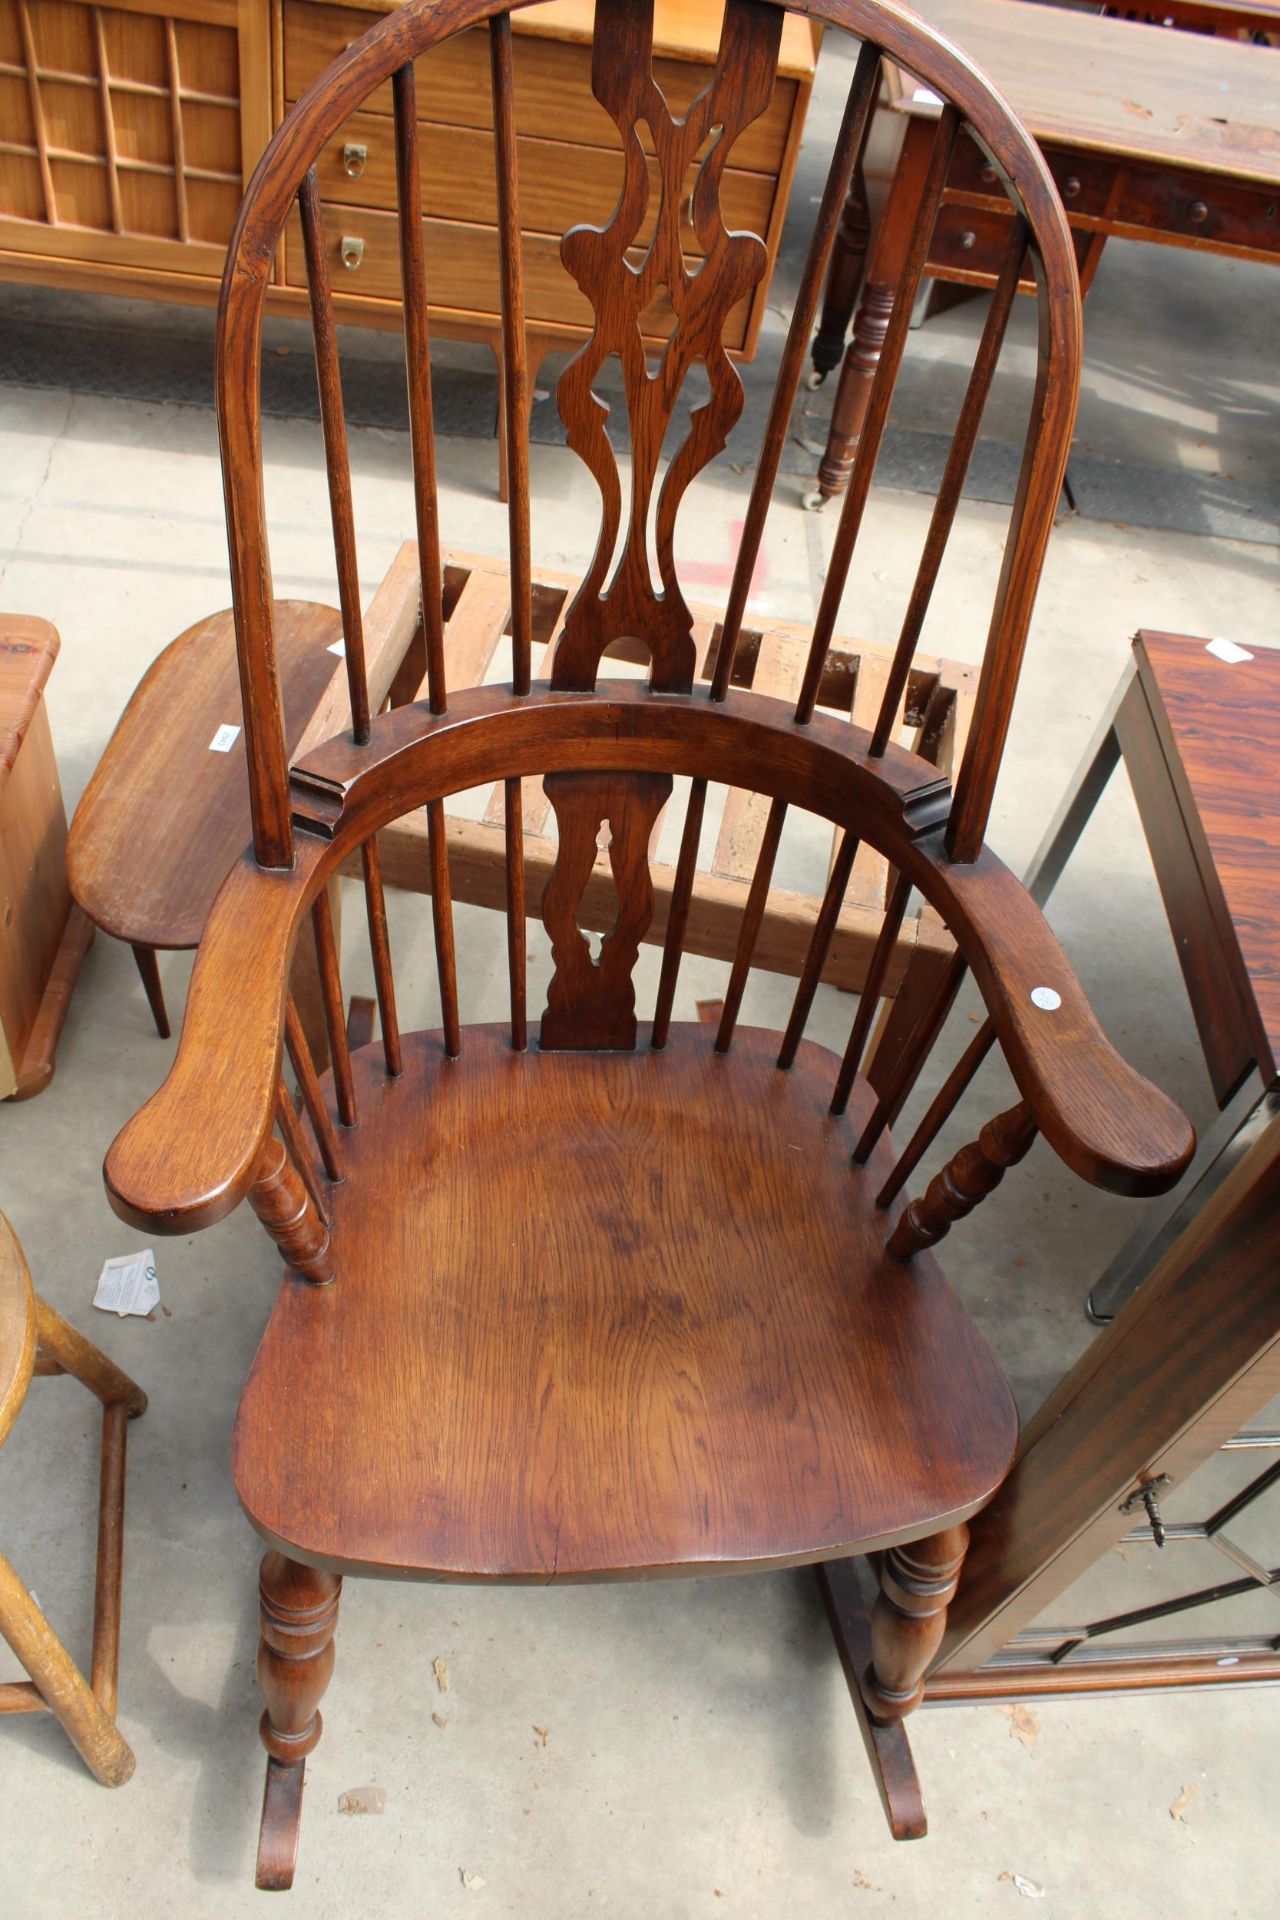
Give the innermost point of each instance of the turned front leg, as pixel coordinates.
(298, 1611)
(289, 1215)
(917, 1585)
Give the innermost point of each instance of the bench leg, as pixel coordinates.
(149, 968)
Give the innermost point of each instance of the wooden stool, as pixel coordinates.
(36, 1340)
(43, 937)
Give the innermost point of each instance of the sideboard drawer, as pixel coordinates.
(552, 84)
(557, 191)
(462, 271)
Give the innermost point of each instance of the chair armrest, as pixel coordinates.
(189, 1156)
(1109, 1123)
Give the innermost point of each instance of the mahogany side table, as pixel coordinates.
(1200, 739)
(1158, 136)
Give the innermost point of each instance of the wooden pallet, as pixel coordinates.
(937, 711)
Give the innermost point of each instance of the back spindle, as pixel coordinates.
(515, 421)
(749, 926)
(296, 1147)
(873, 987)
(442, 921)
(299, 1051)
(515, 369)
(337, 462)
(380, 947)
(893, 1085)
(678, 912)
(847, 153)
(819, 946)
(948, 499)
(877, 415)
(417, 357)
(335, 1018)
(848, 149)
(940, 1110)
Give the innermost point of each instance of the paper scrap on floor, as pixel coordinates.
(128, 1284)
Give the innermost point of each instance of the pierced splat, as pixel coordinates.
(591, 1003)
(703, 296)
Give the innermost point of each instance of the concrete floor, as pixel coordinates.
(700, 1754)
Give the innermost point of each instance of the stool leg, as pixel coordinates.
(917, 1585)
(149, 968)
(298, 1608)
(60, 1341)
(100, 1744)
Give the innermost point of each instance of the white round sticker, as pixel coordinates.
(1045, 998)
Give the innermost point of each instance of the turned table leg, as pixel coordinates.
(844, 278)
(917, 1584)
(871, 323)
(298, 1610)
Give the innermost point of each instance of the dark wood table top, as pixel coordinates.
(1119, 87)
(1220, 726)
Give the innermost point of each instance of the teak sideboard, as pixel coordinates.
(128, 132)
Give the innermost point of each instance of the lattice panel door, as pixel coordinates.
(121, 121)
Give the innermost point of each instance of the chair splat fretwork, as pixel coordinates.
(737, 93)
(592, 1003)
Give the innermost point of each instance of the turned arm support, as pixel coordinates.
(975, 1171)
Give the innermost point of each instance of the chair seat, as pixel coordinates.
(612, 1314)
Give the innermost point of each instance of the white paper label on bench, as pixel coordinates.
(128, 1284)
(1228, 650)
(1046, 999)
(339, 648)
(926, 97)
(225, 738)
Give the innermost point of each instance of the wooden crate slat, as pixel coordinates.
(779, 666)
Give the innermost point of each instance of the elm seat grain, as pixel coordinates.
(667, 1336)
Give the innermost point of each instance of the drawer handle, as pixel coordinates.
(1071, 187)
(1198, 212)
(353, 159)
(351, 248)
(990, 175)
(968, 239)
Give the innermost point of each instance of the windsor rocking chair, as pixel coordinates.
(696, 1330)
